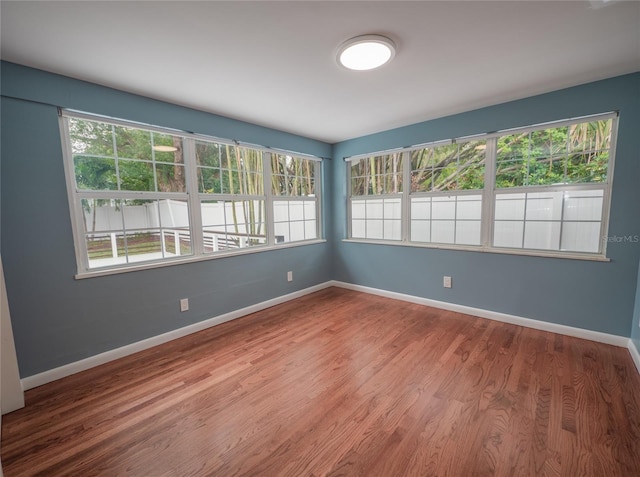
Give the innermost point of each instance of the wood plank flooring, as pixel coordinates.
(340, 383)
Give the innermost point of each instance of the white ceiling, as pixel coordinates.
(273, 63)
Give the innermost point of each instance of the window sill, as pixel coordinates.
(189, 259)
(470, 248)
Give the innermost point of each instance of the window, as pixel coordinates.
(295, 203)
(144, 194)
(446, 193)
(543, 188)
(550, 187)
(376, 193)
(231, 187)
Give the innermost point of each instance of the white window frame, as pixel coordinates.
(273, 198)
(401, 195)
(192, 196)
(490, 192)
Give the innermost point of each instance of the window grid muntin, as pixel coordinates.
(120, 160)
(282, 185)
(489, 192)
(561, 221)
(249, 238)
(477, 153)
(191, 186)
(389, 184)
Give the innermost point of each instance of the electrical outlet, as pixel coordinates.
(446, 282)
(289, 276)
(184, 304)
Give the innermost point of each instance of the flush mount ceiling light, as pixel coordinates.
(366, 52)
(161, 148)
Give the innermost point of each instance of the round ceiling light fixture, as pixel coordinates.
(161, 148)
(366, 52)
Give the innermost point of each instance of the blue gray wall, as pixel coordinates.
(585, 294)
(57, 319)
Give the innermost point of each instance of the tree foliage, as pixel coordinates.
(578, 153)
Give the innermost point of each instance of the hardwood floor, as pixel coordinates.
(341, 383)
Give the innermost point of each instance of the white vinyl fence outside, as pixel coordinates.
(168, 220)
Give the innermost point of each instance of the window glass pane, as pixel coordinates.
(508, 234)
(420, 207)
(583, 205)
(209, 180)
(101, 215)
(444, 208)
(281, 231)
(443, 231)
(229, 169)
(421, 231)
(296, 210)
(292, 176)
(392, 209)
(449, 167)
(468, 232)
(546, 171)
(295, 220)
(176, 242)
(90, 137)
(310, 209)
(469, 207)
(587, 167)
(358, 209)
(375, 229)
(143, 245)
(510, 206)
(210, 153)
(377, 175)
(136, 175)
(592, 136)
(375, 209)
(232, 224)
(281, 211)
(542, 235)
(174, 213)
(132, 143)
(544, 205)
(167, 148)
(171, 178)
(140, 214)
(513, 148)
(546, 143)
(105, 249)
(297, 231)
(358, 228)
(581, 237)
(95, 173)
(310, 230)
(392, 230)
(511, 173)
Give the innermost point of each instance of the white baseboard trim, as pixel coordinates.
(102, 358)
(615, 340)
(635, 355)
